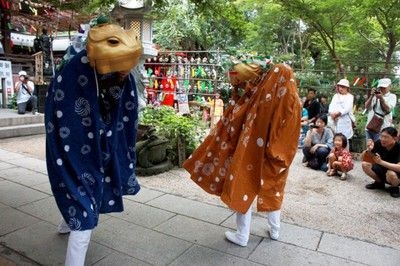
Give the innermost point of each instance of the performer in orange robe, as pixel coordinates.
(249, 152)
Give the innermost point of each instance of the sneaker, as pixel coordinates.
(343, 176)
(273, 234)
(375, 185)
(394, 192)
(63, 228)
(235, 238)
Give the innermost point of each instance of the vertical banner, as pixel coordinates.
(183, 103)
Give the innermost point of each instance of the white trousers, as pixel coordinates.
(78, 243)
(243, 222)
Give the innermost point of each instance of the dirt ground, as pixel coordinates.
(312, 199)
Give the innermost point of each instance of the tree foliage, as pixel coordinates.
(342, 35)
(187, 25)
(350, 30)
(382, 28)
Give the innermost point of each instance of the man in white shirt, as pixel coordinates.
(24, 89)
(382, 102)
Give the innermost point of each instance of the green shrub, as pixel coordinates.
(173, 126)
(12, 103)
(361, 121)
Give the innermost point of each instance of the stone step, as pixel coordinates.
(15, 125)
(25, 119)
(21, 130)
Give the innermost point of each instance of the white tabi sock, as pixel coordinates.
(78, 243)
(274, 222)
(241, 237)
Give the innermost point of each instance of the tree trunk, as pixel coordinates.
(340, 71)
(389, 54)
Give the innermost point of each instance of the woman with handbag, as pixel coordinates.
(379, 105)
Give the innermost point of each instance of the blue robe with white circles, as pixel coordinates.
(90, 142)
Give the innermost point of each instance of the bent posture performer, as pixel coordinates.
(91, 121)
(249, 152)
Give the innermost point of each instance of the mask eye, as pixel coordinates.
(113, 41)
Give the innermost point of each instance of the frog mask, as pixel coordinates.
(110, 48)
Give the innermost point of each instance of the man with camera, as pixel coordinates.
(24, 89)
(379, 105)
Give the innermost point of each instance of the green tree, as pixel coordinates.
(188, 25)
(381, 29)
(327, 19)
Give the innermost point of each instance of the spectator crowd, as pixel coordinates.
(327, 129)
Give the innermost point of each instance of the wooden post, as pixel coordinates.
(181, 151)
(38, 67)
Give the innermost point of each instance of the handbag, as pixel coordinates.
(376, 122)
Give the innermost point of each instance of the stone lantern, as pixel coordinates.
(131, 14)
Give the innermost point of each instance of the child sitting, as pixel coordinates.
(304, 126)
(339, 159)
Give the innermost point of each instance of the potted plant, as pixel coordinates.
(184, 133)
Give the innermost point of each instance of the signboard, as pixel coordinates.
(183, 103)
(7, 85)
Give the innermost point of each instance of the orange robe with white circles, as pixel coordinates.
(249, 152)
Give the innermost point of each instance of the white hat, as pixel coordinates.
(22, 73)
(384, 83)
(344, 83)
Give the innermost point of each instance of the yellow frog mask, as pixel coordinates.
(243, 72)
(110, 48)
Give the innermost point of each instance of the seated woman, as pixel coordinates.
(318, 143)
(340, 158)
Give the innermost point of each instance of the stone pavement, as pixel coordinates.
(157, 228)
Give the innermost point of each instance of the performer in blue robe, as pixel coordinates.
(91, 122)
(90, 144)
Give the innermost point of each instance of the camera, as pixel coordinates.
(377, 91)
